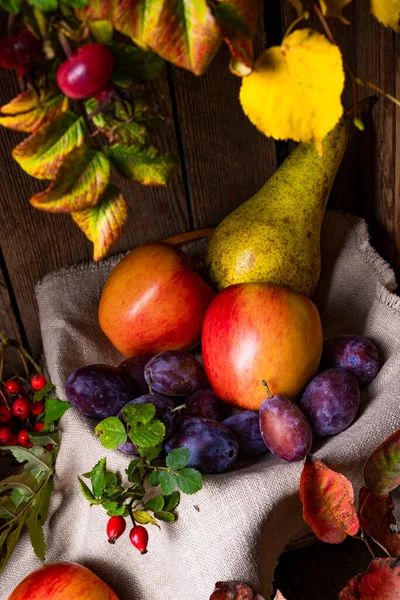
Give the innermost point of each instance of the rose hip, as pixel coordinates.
(115, 528)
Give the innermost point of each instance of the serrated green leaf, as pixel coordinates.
(103, 224)
(149, 434)
(23, 481)
(111, 432)
(102, 31)
(143, 517)
(112, 479)
(13, 6)
(189, 481)
(196, 36)
(54, 409)
(155, 504)
(142, 164)
(138, 413)
(41, 394)
(98, 478)
(40, 439)
(162, 515)
(178, 458)
(137, 492)
(150, 453)
(154, 479)
(8, 505)
(45, 5)
(171, 501)
(28, 111)
(20, 495)
(80, 182)
(237, 20)
(134, 64)
(42, 153)
(86, 491)
(37, 518)
(37, 459)
(136, 471)
(113, 508)
(9, 538)
(167, 482)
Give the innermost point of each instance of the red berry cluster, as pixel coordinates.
(21, 52)
(19, 415)
(138, 535)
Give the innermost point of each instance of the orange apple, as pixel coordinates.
(62, 581)
(258, 331)
(154, 301)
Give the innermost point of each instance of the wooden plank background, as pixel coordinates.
(224, 160)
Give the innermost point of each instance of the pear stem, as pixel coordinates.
(265, 384)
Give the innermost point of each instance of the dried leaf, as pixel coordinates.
(328, 503)
(231, 590)
(387, 12)
(142, 164)
(42, 153)
(382, 470)
(237, 20)
(79, 183)
(379, 582)
(183, 32)
(333, 8)
(103, 223)
(376, 517)
(294, 90)
(28, 112)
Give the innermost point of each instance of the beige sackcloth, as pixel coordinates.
(246, 517)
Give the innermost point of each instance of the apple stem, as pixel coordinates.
(265, 384)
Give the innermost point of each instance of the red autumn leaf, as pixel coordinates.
(381, 581)
(328, 503)
(376, 517)
(28, 111)
(184, 32)
(238, 20)
(231, 590)
(382, 470)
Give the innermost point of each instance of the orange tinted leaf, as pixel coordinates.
(103, 223)
(183, 32)
(376, 517)
(95, 10)
(42, 153)
(381, 581)
(142, 164)
(328, 503)
(382, 470)
(232, 590)
(79, 183)
(237, 20)
(27, 112)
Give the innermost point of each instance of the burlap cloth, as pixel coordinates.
(246, 517)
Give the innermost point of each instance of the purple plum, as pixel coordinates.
(245, 426)
(357, 355)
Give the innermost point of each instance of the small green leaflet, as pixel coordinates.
(37, 518)
(143, 517)
(167, 482)
(150, 453)
(178, 459)
(87, 492)
(46, 5)
(13, 6)
(154, 478)
(138, 413)
(171, 501)
(41, 394)
(136, 471)
(189, 481)
(162, 515)
(155, 504)
(113, 508)
(98, 478)
(111, 432)
(150, 434)
(54, 410)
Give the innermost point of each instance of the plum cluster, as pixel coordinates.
(215, 433)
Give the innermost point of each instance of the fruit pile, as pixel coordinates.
(20, 414)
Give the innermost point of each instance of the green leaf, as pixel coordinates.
(150, 453)
(143, 517)
(37, 518)
(150, 24)
(150, 434)
(9, 538)
(7, 506)
(189, 481)
(77, 3)
(80, 181)
(102, 31)
(87, 492)
(41, 439)
(112, 479)
(103, 224)
(155, 504)
(142, 164)
(42, 153)
(113, 508)
(28, 112)
(98, 478)
(162, 515)
(111, 432)
(382, 470)
(134, 64)
(168, 482)
(45, 5)
(237, 20)
(23, 481)
(19, 495)
(178, 459)
(54, 409)
(137, 492)
(136, 471)
(154, 478)
(13, 6)
(171, 501)
(37, 459)
(138, 413)
(41, 394)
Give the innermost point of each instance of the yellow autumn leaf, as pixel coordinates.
(387, 12)
(294, 91)
(333, 8)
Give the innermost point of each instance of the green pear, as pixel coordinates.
(275, 236)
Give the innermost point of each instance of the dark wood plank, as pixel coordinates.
(227, 160)
(35, 243)
(8, 322)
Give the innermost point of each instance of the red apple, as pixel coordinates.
(258, 331)
(63, 581)
(154, 301)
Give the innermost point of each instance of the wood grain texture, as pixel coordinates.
(35, 243)
(8, 322)
(226, 159)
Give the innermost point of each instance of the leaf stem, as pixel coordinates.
(364, 539)
(305, 15)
